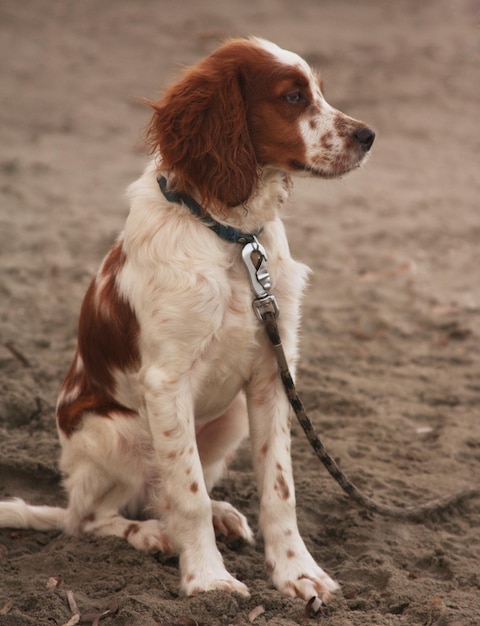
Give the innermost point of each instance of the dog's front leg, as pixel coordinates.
(293, 570)
(186, 503)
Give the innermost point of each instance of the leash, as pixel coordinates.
(267, 311)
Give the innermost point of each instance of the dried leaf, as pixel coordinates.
(254, 613)
(73, 620)
(94, 618)
(54, 582)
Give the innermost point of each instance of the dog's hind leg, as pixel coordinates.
(106, 467)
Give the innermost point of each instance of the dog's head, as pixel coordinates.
(250, 106)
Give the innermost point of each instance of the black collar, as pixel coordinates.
(224, 232)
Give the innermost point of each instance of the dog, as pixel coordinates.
(173, 370)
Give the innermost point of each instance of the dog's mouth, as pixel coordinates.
(303, 167)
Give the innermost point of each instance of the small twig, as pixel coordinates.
(74, 608)
(7, 607)
(72, 603)
(17, 354)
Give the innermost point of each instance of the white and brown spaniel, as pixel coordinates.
(173, 369)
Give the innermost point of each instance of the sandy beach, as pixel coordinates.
(390, 365)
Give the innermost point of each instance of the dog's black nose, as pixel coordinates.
(365, 137)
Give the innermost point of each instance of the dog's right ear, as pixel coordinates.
(199, 128)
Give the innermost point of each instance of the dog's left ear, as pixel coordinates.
(200, 128)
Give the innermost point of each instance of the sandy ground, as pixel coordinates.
(390, 359)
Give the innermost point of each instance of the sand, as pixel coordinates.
(390, 360)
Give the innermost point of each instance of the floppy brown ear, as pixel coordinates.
(200, 129)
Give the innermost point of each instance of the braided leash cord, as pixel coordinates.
(430, 507)
(255, 259)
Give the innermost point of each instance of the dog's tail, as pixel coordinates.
(17, 514)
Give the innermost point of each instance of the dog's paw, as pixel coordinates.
(295, 574)
(194, 583)
(149, 536)
(202, 569)
(229, 522)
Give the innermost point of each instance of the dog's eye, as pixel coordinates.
(294, 97)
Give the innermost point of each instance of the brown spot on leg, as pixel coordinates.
(273, 378)
(263, 450)
(290, 554)
(281, 487)
(194, 487)
(132, 529)
(86, 520)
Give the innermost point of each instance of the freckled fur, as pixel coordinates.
(172, 368)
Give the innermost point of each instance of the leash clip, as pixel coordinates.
(267, 304)
(255, 258)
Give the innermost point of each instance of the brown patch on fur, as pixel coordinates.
(194, 487)
(86, 520)
(327, 140)
(132, 529)
(273, 378)
(281, 487)
(107, 341)
(341, 125)
(290, 554)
